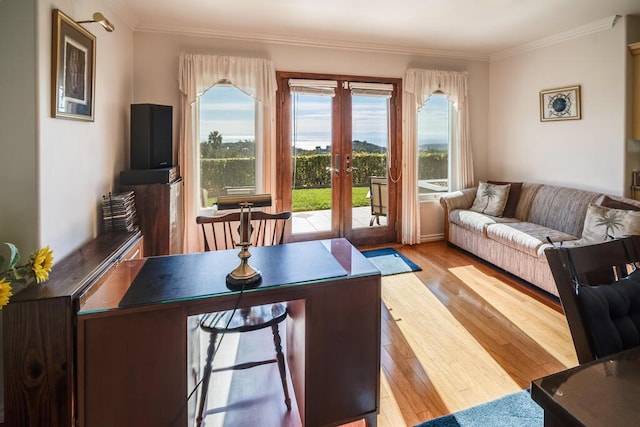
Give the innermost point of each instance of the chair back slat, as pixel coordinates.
(223, 231)
(592, 266)
(378, 193)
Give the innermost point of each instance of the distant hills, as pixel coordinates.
(425, 148)
(247, 148)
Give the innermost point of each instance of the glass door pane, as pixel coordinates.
(370, 145)
(311, 159)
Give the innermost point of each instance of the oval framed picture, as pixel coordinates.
(560, 104)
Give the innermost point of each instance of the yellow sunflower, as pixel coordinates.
(5, 292)
(42, 263)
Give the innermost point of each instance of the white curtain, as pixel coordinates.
(253, 76)
(419, 85)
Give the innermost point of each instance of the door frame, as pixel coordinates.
(361, 236)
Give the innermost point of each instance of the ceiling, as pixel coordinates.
(473, 28)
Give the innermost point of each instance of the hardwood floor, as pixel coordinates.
(456, 334)
(459, 333)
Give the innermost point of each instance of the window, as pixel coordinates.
(434, 146)
(227, 148)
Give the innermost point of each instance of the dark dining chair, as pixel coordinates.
(599, 288)
(222, 232)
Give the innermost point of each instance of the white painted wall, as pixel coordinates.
(632, 162)
(588, 153)
(18, 82)
(79, 161)
(56, 170)
(156, 80)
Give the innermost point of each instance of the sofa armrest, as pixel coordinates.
(462, 199)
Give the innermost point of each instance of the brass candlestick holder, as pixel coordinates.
(244, 276)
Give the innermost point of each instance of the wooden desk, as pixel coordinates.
(604, 392)
(133, 339)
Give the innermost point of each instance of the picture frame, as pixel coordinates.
(73, 67)
(560, 104)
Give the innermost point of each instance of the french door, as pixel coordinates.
(339, 156)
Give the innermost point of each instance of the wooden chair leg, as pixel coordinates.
(205, 378)
(280, 358)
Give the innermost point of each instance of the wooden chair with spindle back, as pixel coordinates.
(223, 232)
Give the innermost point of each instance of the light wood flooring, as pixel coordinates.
(456, 334)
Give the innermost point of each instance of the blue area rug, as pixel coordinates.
(389, 261)
(512, 410)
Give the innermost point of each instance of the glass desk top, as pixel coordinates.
(164, 279)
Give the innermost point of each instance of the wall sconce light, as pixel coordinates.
(99, 18)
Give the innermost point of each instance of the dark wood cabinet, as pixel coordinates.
(159, 213)
(39, 333)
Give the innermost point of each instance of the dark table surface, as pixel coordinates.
(605, 392)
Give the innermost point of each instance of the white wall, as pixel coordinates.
(633, 147)
(79, 161)
(156, 79)
(588, 153)
(18, 82)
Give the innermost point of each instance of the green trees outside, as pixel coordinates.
(233, 165)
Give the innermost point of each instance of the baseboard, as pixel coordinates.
(431, 237)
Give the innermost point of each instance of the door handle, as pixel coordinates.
(336, 167)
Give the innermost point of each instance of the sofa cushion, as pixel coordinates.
(512, 200)
(475, 221)
(602, 223)
(491, 199)
(617, 204)
(525, 236)
(561, 208)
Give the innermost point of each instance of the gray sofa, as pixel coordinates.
(516, 244)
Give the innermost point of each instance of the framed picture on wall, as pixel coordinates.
(73, 68)
(560, 104)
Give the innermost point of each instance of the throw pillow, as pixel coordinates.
(491, 198)
(602, 223)
(618, 204)
(512, 200)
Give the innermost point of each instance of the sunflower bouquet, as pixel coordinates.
(36, 269)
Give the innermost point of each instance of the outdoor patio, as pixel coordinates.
(313, 221)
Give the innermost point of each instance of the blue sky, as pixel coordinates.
(232, 113)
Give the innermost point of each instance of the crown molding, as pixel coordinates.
(124, 13)
(315, 42)
(583, 30)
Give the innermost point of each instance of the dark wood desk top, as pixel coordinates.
(172, 278)
(72, 274)
(605, 392)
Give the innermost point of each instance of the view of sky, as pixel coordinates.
(232, 114)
